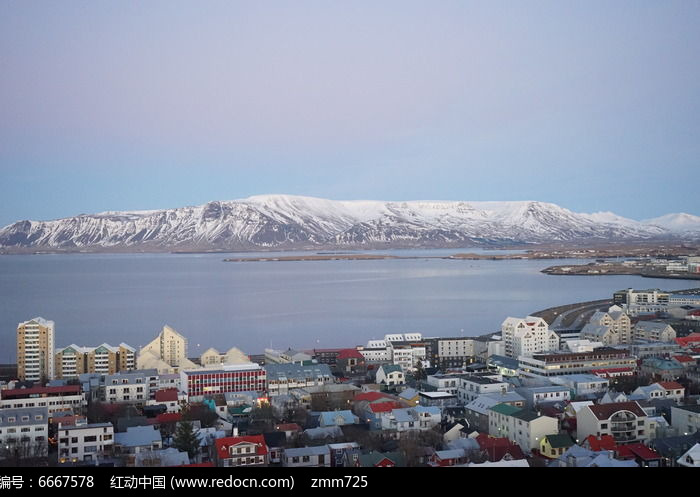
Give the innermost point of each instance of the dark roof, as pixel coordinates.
(695, 408)
(40, 391)
(560, 441)
(604, 411)
(526, 416)
(275, 438)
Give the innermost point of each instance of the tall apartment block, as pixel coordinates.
(35, 350)
(73, 360)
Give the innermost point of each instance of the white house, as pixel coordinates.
(88, 442)
(314, 457)
(390, 374)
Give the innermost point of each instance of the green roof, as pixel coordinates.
(560, 441)
(526, 415)
(505, 409)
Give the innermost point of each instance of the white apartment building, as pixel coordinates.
(88, 442)
(52, 398)
(472, 386)
(24, 432)
(35, 350)
(526, 337)
(626, 422)
(135, 387)
(654, 331)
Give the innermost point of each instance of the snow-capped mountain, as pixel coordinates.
(286, 222)
(677, 223)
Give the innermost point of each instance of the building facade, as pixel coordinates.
(35, 350)
(529, 336)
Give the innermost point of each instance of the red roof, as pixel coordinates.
(604, 442)
(637, 450)
(166, 395)
(350, 354)
(497, 448)
(671, 385)
(288, 427)
(683, 358)
(40, 391)
(223, 444)
(66, 420)
(385, 406)
(692, 338)
(371, 396)
(169, 417)
(605, 411)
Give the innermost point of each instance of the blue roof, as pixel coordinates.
(307, 451)
(297, 371)
(330, 418)
(138, 436)
(434, 411)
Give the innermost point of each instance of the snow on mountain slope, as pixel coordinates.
(286, 221)
(679, 222)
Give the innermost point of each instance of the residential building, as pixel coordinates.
(662, 390)
(662, 369)
(437, 399)
(554, 446)
(611, 328)
(198, 383)
(444, 382)
(213, 358)
(522, 426)
(654, 331)
(477, 411)
(85, 442)
(327, 356)
(536, 395)
(350, 362)
(450, 352)
(602, 359)
(412, 418)
(55, 399)
(473, 385)
(691, 459)
(136, 439)
(72, 361)
(309, 457)
(643, 350)
(583, 385)
(282, 378)
(686, 419)
(167, 353)
(337, 418)
(133, 387)
(24, 432)
(345, 455)
(242, 451)
(35, 350)
(390, 375)
(528, 336)
(625, 421)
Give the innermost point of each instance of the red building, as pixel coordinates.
(242, 451)
(239, 378)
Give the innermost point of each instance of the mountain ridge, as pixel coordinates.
(265, 222)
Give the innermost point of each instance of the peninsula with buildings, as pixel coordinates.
(614, 382)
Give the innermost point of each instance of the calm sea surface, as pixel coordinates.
(96, 298)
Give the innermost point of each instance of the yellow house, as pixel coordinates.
(553, 446)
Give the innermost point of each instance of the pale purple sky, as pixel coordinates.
(141, 105)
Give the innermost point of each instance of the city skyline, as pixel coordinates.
(148, 107)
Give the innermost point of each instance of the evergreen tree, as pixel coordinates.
(186, 438)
